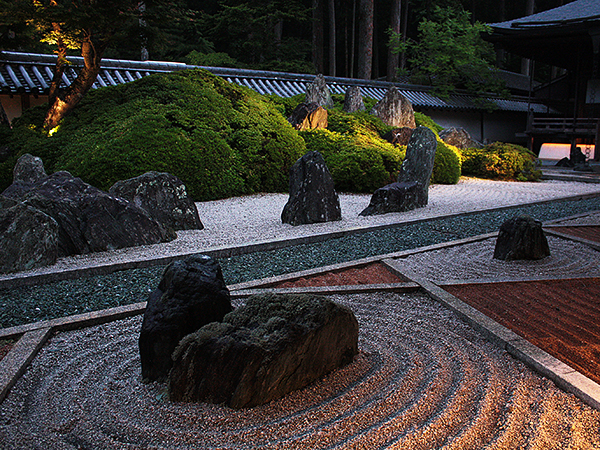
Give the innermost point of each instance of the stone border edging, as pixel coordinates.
(560, 373)
(21, 279)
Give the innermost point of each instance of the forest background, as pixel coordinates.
(345, 38)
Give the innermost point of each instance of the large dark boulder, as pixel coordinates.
(459, 137)
(28, 237)
(318, 92)
(395, 109)
(28, 171)
(91, 220)
(412, 189)
(163, 196)
(353, 100)
(312, 194)
(519, 238)
(191, 293)
(271, 346)
(308, 116)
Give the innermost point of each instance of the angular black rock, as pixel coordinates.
(521, 237)
(412, 189)
(28, 238)
(28, 171)
(271, 346)
(312, 194)
(191, 294)
(91, 220)
(163, 196)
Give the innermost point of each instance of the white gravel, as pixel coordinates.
(256, 218)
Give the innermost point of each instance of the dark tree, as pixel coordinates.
(365, 38)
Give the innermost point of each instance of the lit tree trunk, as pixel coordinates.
(317, 41)
(394, 58)
(61, 62)
(365, 42)
(65, 101)
(332, 43)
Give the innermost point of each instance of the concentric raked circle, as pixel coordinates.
(423, 379)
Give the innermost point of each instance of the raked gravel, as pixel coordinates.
(423, 379)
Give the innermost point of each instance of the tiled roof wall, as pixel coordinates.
(32, 73)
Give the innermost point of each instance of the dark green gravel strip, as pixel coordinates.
(27, 304)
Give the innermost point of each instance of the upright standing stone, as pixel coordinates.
(312, 193)
(521, 237)
(353, 100)
(412, 189)
(191, 294)
(395, 110)
(163, 196)
(318, 92)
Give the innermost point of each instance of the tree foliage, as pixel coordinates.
(450, 53)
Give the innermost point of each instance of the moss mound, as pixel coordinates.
(220, 139)
(500, 161)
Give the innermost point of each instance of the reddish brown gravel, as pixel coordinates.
(560, 316)
(375, 273)
(590, 233)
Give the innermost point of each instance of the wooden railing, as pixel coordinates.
(568, 126)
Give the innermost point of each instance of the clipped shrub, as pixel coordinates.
(500, 161)
(220, 139)
(357, 157)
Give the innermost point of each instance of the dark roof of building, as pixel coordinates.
(32, 73)
(570, 14)
(560, 37)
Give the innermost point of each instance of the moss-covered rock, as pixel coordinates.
(220, 139)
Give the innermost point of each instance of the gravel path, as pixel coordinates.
(423, 380)
(257, 218)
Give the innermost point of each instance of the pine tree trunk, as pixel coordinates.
(317, 38)
(365, 39)
(65, 101)
(332, 42)
(394, 58)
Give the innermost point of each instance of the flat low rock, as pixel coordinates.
(191, 294)
(163, 196)
(521, 238)
(272, 345)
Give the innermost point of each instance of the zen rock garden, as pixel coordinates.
(259, 352)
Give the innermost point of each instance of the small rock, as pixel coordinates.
(353, 100)
(459, 137)
(191, 294)
(318, 92)
(263, 350)
(308, 116)
(312, 194)
(521, 238)
(399, 136)
(27, 172)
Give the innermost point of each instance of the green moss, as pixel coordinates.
(500, 161)
(447, 164)
(219, 138)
